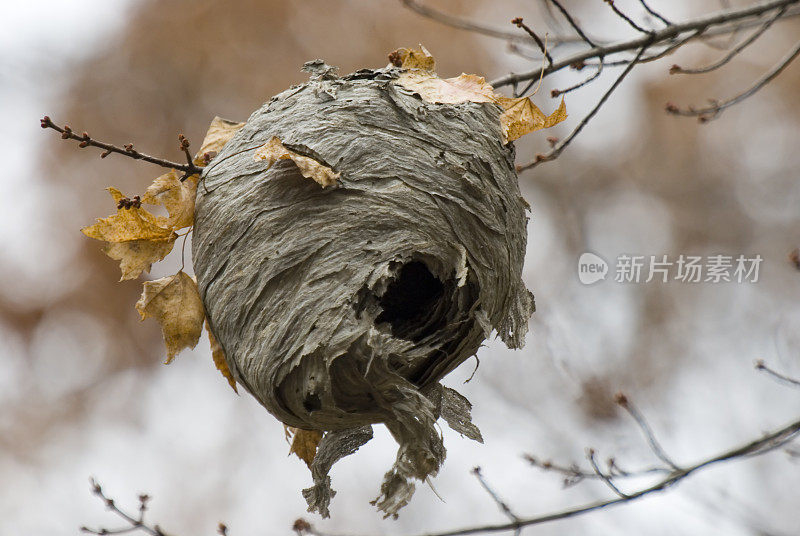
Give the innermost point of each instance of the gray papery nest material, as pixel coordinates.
(343, 307)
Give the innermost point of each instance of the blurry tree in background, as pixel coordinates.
(637, 180)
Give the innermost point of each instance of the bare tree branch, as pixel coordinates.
(133, 523)
(675, 69)
(608, 479)
(655, 446)
(127, 150)
(575, 25)
(556, 151)
(716, 107)
(470, 26)
(654, 13)
(756, 447)
(626, 18)
(539, 43)
(762, 366)
(658, 37)
(496, 498)
(557, 92)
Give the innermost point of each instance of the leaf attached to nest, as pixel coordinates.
(462, 88)
(219, 358)
(136, 256)
(133, 236)
(134, 223)
(304, 443)
(174, 302)
(176, 196)
(413, 58)
(274, 150)
(522, 116)
(219, 133)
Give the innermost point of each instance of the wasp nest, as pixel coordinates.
(354, 243)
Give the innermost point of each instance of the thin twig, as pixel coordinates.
(573, 474)
(184, 146)
(557, 150)
(575, 25)
(654, 13)
(652, 57)
(660, 453)
(519, 24)
(604, 477)
(782, 434)
(558, 92)
(127, 150)
(670, 49)
(761, 366)
(470, 26)
(134, 523)
(627, 19)
(495, 497)
(668, 34)
(715, 109)
(676, 69)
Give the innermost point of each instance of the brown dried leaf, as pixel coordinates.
(176, 196)
(136, 256)
(174, 302)
(521, 117)
(304, 444)
(273, 150)
(219, 133)
(462, 88)
(219, 358)
(128, 224)
(414, 58)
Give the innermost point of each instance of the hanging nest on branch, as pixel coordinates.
(355, 241)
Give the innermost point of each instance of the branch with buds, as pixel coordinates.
(128, 150)
(652, 44)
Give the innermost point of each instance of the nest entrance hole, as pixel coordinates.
(411, 300)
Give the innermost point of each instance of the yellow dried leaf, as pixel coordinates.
(133, 223)
(462, 88)
(219, 358)
(304, 444)
(521, 117)
(219, 133)
(174, 302)
(136, 256)
(273, 150)
(176, 196)
(413, 58)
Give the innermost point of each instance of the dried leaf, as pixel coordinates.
(413, 58)
(219, 133)
(136, 256)
(462, 88)
(219, 358)
(304, 444)
(273, 150)
(174, 302)
(134, 223)
(176, 196)
(521, 117)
